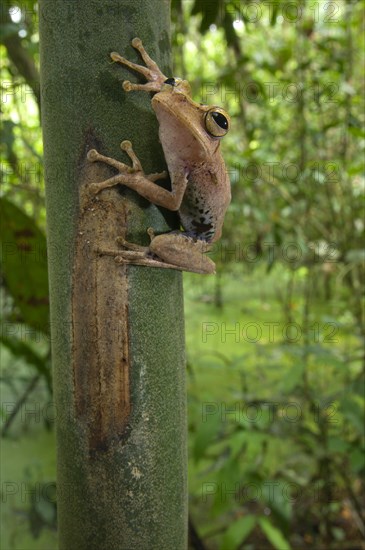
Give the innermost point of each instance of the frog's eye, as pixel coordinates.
(168, 85)
(172, 81)
(217, 122)
(177, 84)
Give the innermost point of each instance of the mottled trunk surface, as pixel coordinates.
(117, 331)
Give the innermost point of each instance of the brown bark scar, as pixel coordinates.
(100, 332)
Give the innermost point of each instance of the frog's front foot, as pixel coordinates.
(94, 156)
(126, 173)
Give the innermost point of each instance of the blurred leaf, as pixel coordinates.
(274, 12)
(24, 265)
(205, 434)
(176, 5)
(237, 441)
(24, 351)
(273, 534)
(357, 460)
(337, 445)
(229, 486)
(357, 132)
(293, 378)
(356, 256)
(230, 33)
(209, 12)
(8, 137)
(352, 407)
(237, 532)
(8, 29)
(276, 494)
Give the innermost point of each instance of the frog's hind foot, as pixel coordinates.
(173, 250)
(135, 256)
(155, 78)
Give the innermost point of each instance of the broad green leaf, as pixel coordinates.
(24, 265)
(277, 495)
(229, 486)
(273, 534)
(357, 460)
(352, 407)
(8, 137)
(237, 532)
(236, 442)
(293, 378)
(337, 444)
(205, 434)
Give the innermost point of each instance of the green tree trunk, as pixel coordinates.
(117, 331)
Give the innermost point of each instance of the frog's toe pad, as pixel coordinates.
(92, 155)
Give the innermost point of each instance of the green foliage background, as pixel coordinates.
(275, 340)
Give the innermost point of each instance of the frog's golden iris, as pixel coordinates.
(217, 122)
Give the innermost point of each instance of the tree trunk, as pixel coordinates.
(117, 331)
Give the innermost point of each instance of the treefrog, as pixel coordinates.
(190, 135)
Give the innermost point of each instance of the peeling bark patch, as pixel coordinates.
(100, 348)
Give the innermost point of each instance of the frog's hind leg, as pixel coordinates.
(136, 257)
(173, 250)
(132, 251)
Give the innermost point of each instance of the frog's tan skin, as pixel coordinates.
(190, 134)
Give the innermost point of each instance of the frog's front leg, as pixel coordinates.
(134, 178)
